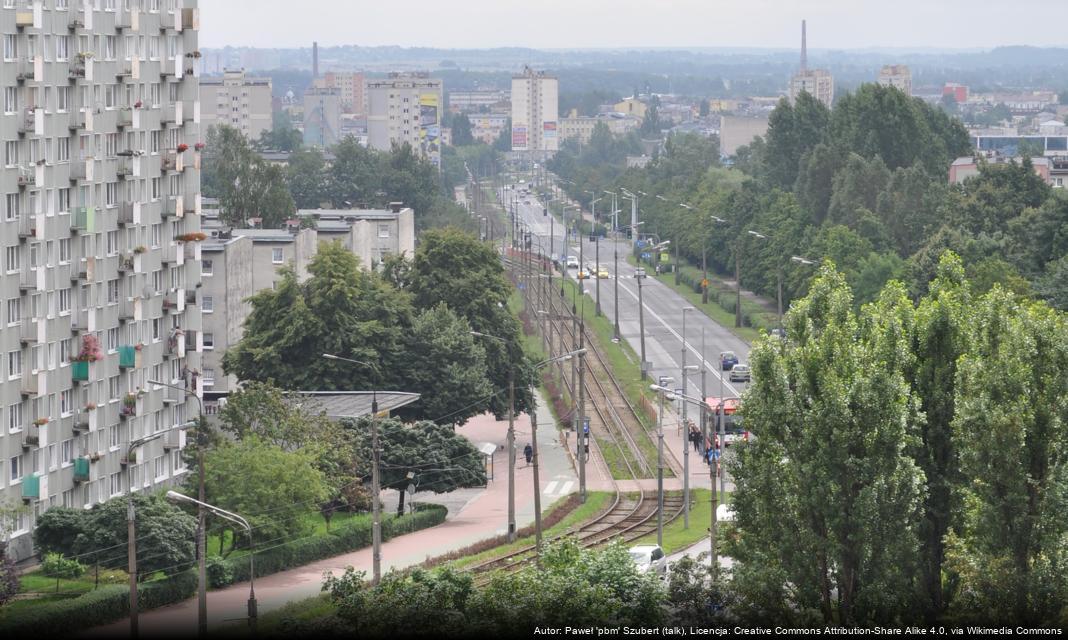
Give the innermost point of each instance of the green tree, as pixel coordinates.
(282, 136)
(703, 108)
(1053, 285)
(503, 143)
(61, 530)
(273, 488)
(1011, 428)
(165, 534)
(941, 336)
(308, 178)
(433, 457)
(246, 185)
(461, 131)
(827, 497)
(448, 367)
(455, 269)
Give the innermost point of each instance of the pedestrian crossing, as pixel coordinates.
(558, 488)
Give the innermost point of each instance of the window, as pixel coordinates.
(64, 351)
(64, 250)
(206, 268)
(14, 311)
(14, 418)
(14, 364)
(156, 329)
(113, 339)
(209, 377)
(383, 231)
(276, 255)
(157, 280)
(62, 99)
(113, 388)
(16, 468)
(209, 340)
(68, 498)
(111, 195)
(116, 484)
(63, 155)
(207, 305)
(12, 210)
(11, 99)
(12, 259)
(112, 242)
(64, 301)
(66, 402)
(66, 452)
(161, 467)
(11, 153)
(113, 291)
(109, 47)
(115, 437)
(176, 461)
(62, 47)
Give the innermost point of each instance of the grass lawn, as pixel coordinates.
(676, 537)
(717, 313)
(270, 623)
(596, 502)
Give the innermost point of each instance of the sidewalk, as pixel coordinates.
(482, 516)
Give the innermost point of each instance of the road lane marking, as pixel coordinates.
(550, 487)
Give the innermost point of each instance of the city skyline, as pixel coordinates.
(833, 24)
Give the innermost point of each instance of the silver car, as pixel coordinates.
(649, 558)
(740, 373)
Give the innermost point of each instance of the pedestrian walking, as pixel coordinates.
(528, 453)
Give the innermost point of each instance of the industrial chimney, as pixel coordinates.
(804, 49)
(315, 60)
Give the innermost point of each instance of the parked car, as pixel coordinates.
(649, 558)
(778, 333)
(572, 262)
(602, 271)
(639, 273)
(740, 373)
(727, 360)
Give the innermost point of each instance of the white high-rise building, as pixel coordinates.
(896, 75)
(819, 83)
(237, 100)
(406, 107)
(535, 110)
(100, 224)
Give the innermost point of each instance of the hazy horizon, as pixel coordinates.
(912, 25)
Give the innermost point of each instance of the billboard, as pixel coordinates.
(430, 127)
(519, 137)
(548, 130)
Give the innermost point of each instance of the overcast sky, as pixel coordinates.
(616, 23)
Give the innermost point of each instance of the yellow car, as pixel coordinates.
(602, 271)
(583, 273)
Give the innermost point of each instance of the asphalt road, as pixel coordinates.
(663, 309)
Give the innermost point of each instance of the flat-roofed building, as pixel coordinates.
(240, 101)
(897, 76)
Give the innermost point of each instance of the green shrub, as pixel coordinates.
(95, 608)
(55, 565)
(220, 574)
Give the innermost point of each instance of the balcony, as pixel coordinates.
(25, 19)
(174, 439)
(172, 160)
(81, 69)
(27, 226)
(174, 301)
(85, 420)
(81, 469)
(175, 346)
(129, 166)
(81, 169)
(32, 385)
(190, 18)
(126, 263)
(173, 207)
(129, 309)
(31, 436)
(129, 69)
(191, 250)
(79, 270)
(31, 122)
(83, 219)
(27, 177)
(171, 66)
(81, 120)
(128, 458)
(35, 487)
(31, 279)
(126, 117)
(25, 69)
(128, 20)
(127, 357)
(79, 371)
(32, 331)
(191, 111)
(172, 395)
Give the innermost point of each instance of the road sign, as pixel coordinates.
(640, 243)
(704, 283)
(585, 425)
(646, 256)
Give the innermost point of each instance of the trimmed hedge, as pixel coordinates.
(340, 540)
(102, 606)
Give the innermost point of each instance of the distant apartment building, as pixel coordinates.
(227, 285)
(487, 127)
(1010, 145)
(819, 83)
(737, 131)
(535, 111)
(958, 91)
(897, 76)
(405, 108)
(581, 127)
(371, 234)
(240, 101)
(631, 107)
(1053, 171)
(485, 100)
(322, 117)
(351, 89)
(98, 227)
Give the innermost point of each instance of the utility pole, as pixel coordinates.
(597, 269)
(686, 429)
(738, 285)
(641, 323)
(615, 284)
(660, 473)
(511, 454)
(583, 437)
(704, 395)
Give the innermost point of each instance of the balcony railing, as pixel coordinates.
(129, 69)
(31, 331)
(28, 121)
(125, 117)
(129, 167)
(83, 219)
(128, 20)
(32, 385)
(127, 357)
(25, 69)
(27, 225)
(81, 469)
(172, 113)
(81, 119)
(31, 279)
(173, 207)
(81, 169)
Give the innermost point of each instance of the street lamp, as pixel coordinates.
(615, 284)
(686, 426)
(233, 517)
(801, 260)
(131, 528)
(534, 445)
(639, 276)
(778, 274)
(660, 460)
(711, 469)
(202, 535)
(376, 454)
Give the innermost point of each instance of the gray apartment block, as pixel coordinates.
(227, 278)
(240, 101)
(101, 187)
(372, 234)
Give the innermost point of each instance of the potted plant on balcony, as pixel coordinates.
(91, 406)
(182, 148)
(40, 422)
(127, 263)
(82, 56)
(139, 249)
(196, 236)
(91, 352)
(193, 54)
(199, 146)
(129, 405)
(138, 104)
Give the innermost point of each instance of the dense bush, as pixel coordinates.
(99, 607)
(55, 565)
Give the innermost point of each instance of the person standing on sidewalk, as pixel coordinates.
(528, 453)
